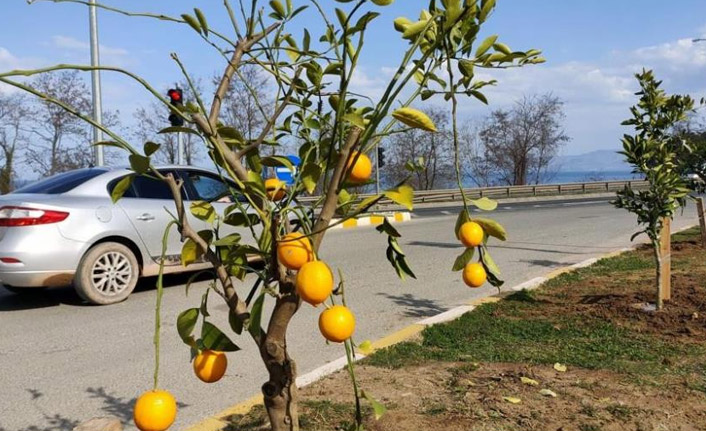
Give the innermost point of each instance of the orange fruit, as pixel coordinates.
(474, 275)
(471, 234)
(314, 282)
(210, 365)
(276, 189)
(155, 411)
(361, 171)
(337, 323)
(294, 250)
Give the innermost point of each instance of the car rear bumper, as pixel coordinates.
(38, 256)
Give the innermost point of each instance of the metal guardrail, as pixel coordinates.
(450, 195)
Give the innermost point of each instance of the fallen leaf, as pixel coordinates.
(366, 347)
(512, 400)
(560, 367)
(528, 381)
(548, 393)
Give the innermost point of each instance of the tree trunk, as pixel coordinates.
(280, 391)
(656, 246)
(6, 174)
(702, 220)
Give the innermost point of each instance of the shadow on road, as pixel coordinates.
(38, 298)
(542, 262)
(55, 296)
(113, 405)
(436, 244)
(415, 307)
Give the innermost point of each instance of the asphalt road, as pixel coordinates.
(64, 362)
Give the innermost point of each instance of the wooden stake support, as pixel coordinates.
(702, 220)
(666, 252)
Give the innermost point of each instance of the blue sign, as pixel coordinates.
(285, 174)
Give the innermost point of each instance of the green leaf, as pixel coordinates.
(274, 161)
(478, 95)
(278, 8)
(235, 324)
(355, 119)
(150, 148)
(402, 264)
(462, 218)
(463, 259)
(365, 203)
(485, 204)
(139, 163)
(378, 408)
(387, 228)
(121, 187)
(486, 44)
(178, 129)
(202, 21)
(488, 262)
(402, 195)
(232, 239)
(310, 176)
(213, 339)
(254, 326)
(492, 228)
(204, 304)
(186, 323)
(488, 6)
(203, 211)
(466, 68)
(240, 219)
(192, 22)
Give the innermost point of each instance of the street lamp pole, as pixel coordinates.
(96, 83)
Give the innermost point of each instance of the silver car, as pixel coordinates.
(65, 229)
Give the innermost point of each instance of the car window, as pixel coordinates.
(62, 183)
(144, 187)
(208, 187)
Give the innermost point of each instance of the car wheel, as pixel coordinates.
(107, 274)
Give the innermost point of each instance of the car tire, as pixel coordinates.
(106, 274)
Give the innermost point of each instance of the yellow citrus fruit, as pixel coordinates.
(155, 411)
(337, 323)
(474, 275)
(361, 171)
(314, 282)
(276, 189)
(471, 234)
(210, 365)
(294, 250)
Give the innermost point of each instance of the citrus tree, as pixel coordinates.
(654, 153)
(334, 129)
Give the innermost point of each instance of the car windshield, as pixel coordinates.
(61, 183)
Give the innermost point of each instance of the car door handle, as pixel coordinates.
(145, 217)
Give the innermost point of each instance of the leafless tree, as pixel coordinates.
(14, 115)
(60, 138)
(473, 165)
(154, 117)
(434, 150)
(519, 144)
(248, 96)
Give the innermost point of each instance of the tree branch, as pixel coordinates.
(329, 206)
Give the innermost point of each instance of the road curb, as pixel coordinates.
(372, 219)
(217, 422)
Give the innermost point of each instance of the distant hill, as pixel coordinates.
(595, 161)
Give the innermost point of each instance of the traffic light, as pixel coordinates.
(176, 98)
(381, 157)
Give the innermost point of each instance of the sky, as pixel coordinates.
(592, 48)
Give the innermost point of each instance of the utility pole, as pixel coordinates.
(96, 84)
